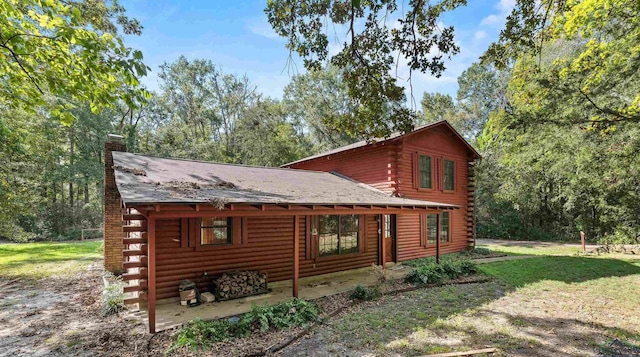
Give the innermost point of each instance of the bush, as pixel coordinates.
(113, 296)
(364, 293)
(293, 312)
(433, 273)
(199, 334)
(476, 253)
(379, 273)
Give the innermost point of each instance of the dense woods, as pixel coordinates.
(556, 117)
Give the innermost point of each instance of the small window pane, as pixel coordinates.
(349, 234)
(448, 175)
(444, 227)
(432, 228)
(338, 234)
(425, 171)
(387, 226)
(328, 235)
(215, 231)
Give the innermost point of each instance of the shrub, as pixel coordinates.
(379, 273)
(113, 296)
(364, 293)
(433, 273)
(293, 312)
(199, 334)
(476, 252)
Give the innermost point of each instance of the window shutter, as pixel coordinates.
(236, 230)
(194, 231)
(362, 239)
(423, 230)
(245, 230)
(314, 237)
(184, 232)
(439, 175)
(307, 237)
(415, 170)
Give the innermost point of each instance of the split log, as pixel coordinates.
(238, 284)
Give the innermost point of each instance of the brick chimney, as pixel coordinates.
(113, 211)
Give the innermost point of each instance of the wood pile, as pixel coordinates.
(239, 284)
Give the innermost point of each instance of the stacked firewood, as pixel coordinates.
(239, 284)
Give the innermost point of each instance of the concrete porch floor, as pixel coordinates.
(170, 313)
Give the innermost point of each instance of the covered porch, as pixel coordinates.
(268, 220)
(169, 313)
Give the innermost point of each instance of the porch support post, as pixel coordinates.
(151, 238)
(438, 238)
(383, 243)
(296, 253)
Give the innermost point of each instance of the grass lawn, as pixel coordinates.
(553, 305)
(34, 261)
(536, 248)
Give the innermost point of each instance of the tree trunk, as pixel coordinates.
(71, 153)
(86, 190)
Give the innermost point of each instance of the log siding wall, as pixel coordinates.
(439, 144)
(390, 168)
(269, 248)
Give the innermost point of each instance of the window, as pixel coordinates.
(432, 228)
(432, 222)
(387, 226)
(425, 171)
(448, 175)
(215, 231)
(444, 227)
(338, 234)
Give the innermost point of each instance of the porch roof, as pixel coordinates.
(143, 179)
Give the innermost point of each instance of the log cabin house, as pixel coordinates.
(387, 200)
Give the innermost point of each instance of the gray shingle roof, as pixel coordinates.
(393, 135)
(145, 179)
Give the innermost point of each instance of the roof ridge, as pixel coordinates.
(217, 163)
(393, 136)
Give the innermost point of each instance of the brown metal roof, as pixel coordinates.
(382, 141)
(145, 179)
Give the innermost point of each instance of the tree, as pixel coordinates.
(266, 138)
(437, 106)
(377, 37)
(482, 89)
(576, 52)
(69, 50)
(316, 101)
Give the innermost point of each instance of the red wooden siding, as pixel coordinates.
(269, 248)
(440, 145)
(393, 164)
(373, 166)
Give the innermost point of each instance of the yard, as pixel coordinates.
(544, 305)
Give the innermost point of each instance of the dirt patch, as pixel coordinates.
(61, 317)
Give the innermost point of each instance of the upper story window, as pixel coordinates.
(338, 234)
(449, 174)
(425, 171)
(216, 231)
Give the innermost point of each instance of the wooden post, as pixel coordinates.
(383, 243)
(296, 253)
(151, 241)
(438, 238)
(582, 239)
